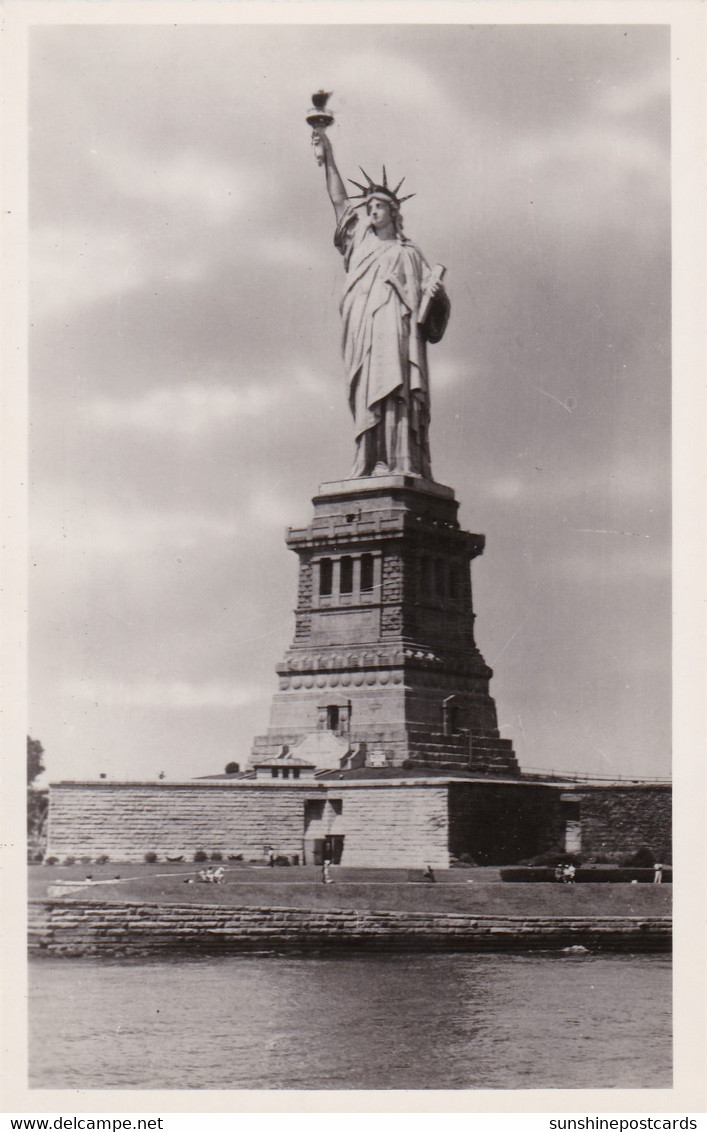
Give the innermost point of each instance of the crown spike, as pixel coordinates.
(370, 182)
(385, 178)
(361, 187)
(408, 197)
(397, 188)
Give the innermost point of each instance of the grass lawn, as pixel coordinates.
(457, 890)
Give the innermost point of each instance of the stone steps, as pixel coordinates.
(492, 755)
(487, 753)
(464, 746)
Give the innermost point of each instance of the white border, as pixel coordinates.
(687, 19)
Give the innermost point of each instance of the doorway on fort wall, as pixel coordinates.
(323, 839)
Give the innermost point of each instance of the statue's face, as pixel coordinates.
(380, 214)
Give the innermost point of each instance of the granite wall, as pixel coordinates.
(73, 928)
(618, 820)
(403, 824)
(502, 823)
(395, 826)
(382, 824)
(127, 820)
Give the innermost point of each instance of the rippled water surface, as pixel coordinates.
(360, 1022)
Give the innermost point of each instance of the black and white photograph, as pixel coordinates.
(350, 599)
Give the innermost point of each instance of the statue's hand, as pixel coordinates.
(321, 145)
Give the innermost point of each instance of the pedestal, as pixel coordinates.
(383, 655)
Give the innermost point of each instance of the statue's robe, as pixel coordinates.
(385, 350)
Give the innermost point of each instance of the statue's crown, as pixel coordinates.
(371, 189)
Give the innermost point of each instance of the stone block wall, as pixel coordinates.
(126, 820)
(394, 826)
(498, 824)
(384, 823)
(76, 928)
(305, 582)
(618, 820)
(392, 584)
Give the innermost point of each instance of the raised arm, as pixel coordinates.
(334, 184)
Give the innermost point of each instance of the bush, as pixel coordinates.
(51, 860)
(150, 857)
(103, 859)
(522, 875)
(216, 855)
(200, 855)
(589, 875)
(69, 860)
(642, 859)
(554, 857)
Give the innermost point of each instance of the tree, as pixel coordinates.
(35, 759)
(37, 802)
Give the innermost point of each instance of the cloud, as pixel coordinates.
(506, 488)
(641, 92)
(84, 265)
(567, 185)
(184, 180)
(273, 505)
(77, 531)
(380, 78)
(178, 695)
(616, 558)
(449, 372)
(623, 479)
(167, 221)
(186, 410)
(289, 251)
(609, 157)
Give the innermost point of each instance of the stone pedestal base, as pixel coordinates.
(384, 653)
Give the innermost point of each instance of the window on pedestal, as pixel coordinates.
(450, 715)
(326, 576)
(366, 573)
(426, 578)
(346, 577)
(332, 717)
(456, 578)
(439, 577)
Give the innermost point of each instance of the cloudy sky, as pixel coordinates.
(187, 395)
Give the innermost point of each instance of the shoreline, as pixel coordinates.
(75, 928)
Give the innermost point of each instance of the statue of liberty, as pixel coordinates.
(392, 306)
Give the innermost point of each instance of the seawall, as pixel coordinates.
(401, 823)
(91, 928)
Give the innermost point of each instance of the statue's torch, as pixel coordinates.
(319, 118)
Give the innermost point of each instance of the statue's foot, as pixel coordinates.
(381, 469)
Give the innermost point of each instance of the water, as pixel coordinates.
(359, 1022)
